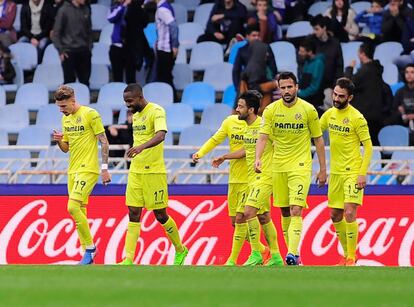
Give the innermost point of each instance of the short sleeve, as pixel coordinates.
(361, 129)
(266, 126)
(160, 120)
(324, 121)
(95, 121)
(313, 123)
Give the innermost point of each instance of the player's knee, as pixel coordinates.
(134, 214)
(350, 215)
(240, 218)
(264, 218)
(73, 207)
(296, 211)
(336, 216)
(161, 216)
(249, 212)
(285, 211)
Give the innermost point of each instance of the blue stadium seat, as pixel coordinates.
(194, 135)
(50, 75)
(99, 76)
(111, 95)
(106, 33)
(408, 156)
(393, 135)
(168, 138)
(206, 54)
(235, 50)
(285, 56)
(49, 117)
(150, 32)
(4, 138)
(214, 115)
(387, 52)
(180, 12)
(191, 5)
(2, 96)
(198, 95)
(25, 54)
(34, 135)
(159, 93)
(179, 116)
(13, 117)
(183, 75)
(32, 96)
(350, 52)
(51, 55)
(122, 116)
(319, 8)
(82, 94)
(181, 56)
(360, 6)
(219, 76)
(106, 113)
(188, 33)
(100, 54)
(390, 73)
(229, 96)
(202, 13)
(396, 86)
(299, 29)
(98, 16)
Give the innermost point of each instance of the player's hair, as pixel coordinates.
(287, 75)
(134, 88)
(367, 49)
(409, 65)
(64, 92)
(347, 84)
(308, 44)
(252, 98)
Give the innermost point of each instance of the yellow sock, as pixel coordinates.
(294, 232)
(352, 238)
(82, 241)
(239, 235)
(340, 228)
(285, 227)
(131, 239)
(82, 226)
(270, 232)
(172, 232)
(253, 227)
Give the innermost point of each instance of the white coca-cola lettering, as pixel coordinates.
(404, 253)
(379, 246)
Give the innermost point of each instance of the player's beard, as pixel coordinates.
(242, 116)
(289, 100)
(339, 105)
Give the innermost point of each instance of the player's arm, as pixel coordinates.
(260, 146)
(238, 154)
(366, 160)
(106, 176)
(154, 141)
(59, 138)
(212, 142)
(320, 151)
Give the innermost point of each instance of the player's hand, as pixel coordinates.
(217, 161)
(361, 182)
(106, 176)
(195, 158)
(321, 178)
(258, 166)
(57, 136)
(133, 151)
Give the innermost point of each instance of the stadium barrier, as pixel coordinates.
(36, 229)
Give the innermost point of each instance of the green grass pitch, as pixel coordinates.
(26, 285)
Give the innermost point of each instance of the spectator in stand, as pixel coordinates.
(311, 77)
(128, 39)
(36, 19)
(342, 20)
(8, 34)
(330, 47)
(255, 67)
(368, 94)
(226, 21)
(288, 11)
(267, 22)
(408, 44)
(72, 37)
(120, 134)
(167, 42)
(373, 20)
(7, 72)
(394, 19)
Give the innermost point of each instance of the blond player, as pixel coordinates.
(291, 122)
(233, 129)
(82, 129)
(147, 180)
(347, 130)
(256, 211)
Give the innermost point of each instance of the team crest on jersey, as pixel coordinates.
(78, 120)
(144, 118)
(345, 121)
(298, 116)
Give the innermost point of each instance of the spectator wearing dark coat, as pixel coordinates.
(7, 72)
(8, 34)
(267, 22)
(394, 19)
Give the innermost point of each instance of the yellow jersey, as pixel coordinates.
(145, 125)
(79, 131)
(291, 128)
(251, 136)
(233, 129)
(347, 129)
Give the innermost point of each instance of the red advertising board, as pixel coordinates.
(38, 230)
